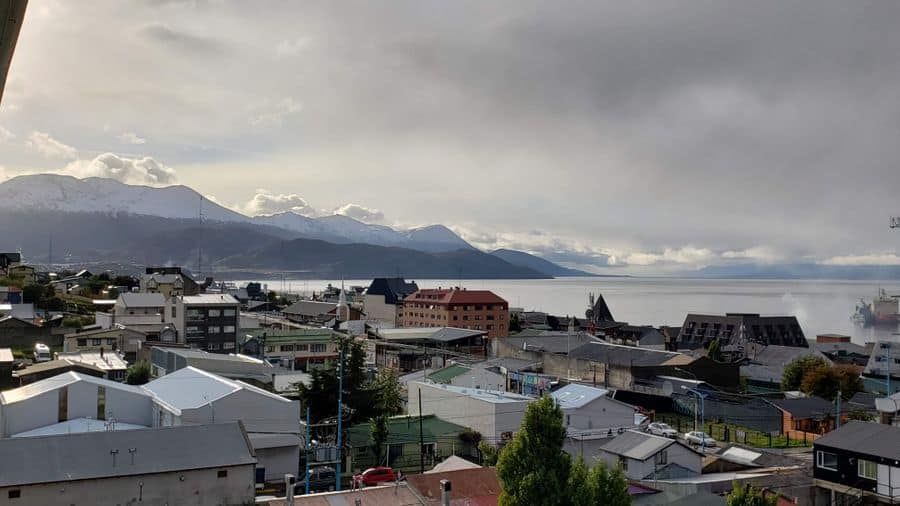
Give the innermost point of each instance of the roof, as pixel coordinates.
(447, 334)
(262, 440)
(405, 428)
(637, 445)
(448, 373)
(699, 499)
(134, 299)
(70, 457)
(557, 343)
(805, 407)
(393, 289)
(453, 463)
(191, 388)
(781, 355)
(53, 365)
(6, 355)
(310, 308)
(388, 495)
(614, 354)
(441, 334)
(59, 381)
(207, 299)
(454, 296)
(473, 487)
(491, 396)
(190, 353)
(865, 438)
(108, 361)
(20, 311)
(574, 396)
(78, 425)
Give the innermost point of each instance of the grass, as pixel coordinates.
(750, 437)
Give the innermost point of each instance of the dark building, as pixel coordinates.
(858, 463)
(598, 312)
(206, 321)
(739, 329)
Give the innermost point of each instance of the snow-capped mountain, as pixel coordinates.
(51, 192)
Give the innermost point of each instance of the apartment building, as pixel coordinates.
(457, 307)
(300, 349)
(206, 321)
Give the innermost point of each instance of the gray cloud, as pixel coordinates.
(180, 40)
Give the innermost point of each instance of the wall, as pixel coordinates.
(200, 487)
(279, 461)
(257, 412)
(601, 413)
(480, 378)
(640, 469)
(488, 418)
(376, 309)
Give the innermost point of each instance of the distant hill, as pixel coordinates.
(530, 261)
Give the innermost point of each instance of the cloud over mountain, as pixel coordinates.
(146, 170)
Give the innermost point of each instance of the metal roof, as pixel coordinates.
(191, 388)
(206, 299)
(806, 407)
(59, 381)
(866, 438)
(70, 457)
(6, 355)
(637, 445)
(108, 361)
(491, 396)
(135, 299)
(620, 355)
(447, 374)
(310, 308)
(78, 425)
(573, 396)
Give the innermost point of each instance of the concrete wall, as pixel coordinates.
(601, 413)
(279, 461)
(258, 413)
(38, 411)
(200, 487)
(489, 418)
(376, 309)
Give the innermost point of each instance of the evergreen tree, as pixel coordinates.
(387, 392)
(748, 496)
(582, 490)
(138, 374)
(532, 468)
(379, 432)
(713, 351)
(611, 486)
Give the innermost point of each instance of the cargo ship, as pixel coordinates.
(883, 310)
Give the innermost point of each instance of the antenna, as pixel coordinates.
(50, 255)
(895, 221)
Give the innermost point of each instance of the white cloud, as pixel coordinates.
(291, 47)
(131, 138)
(127, 170)
(6, 135)
(265, 202)
(756, 253)
(50, 147)
(687, 255)
(274, 116)
(361, 213)
(871, 259)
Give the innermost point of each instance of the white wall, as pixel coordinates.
(489, 418)
(279, 461)
(200, 487)
(638, 469)
(376, 309)
(601, 413)
(258, 413)
(31, 413)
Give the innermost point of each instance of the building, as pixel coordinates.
(10, 295)
(165, 360)
(210, 464)
(310, 312)
(762, 367)
(644, 336)
(111, 363)
(301, 349)
(43, 370)
(588, 409)
(7, 362)
(413, 349)
(134, 308)
(469, 376)
(496, 415)
(384, 298)
(124, 339)
(644, 456)
(168, 281)
(805, 418)
(738, 330)
(206, 321)
(9, 260)
(841, 352)
(456, 307)
(19, 333)
(884, 360)
(859, 463)
(474, 486)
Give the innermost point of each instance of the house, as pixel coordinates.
(44, 370)
(644, 456)
(210, 464)
(467, 376)
(124, 339)
(475, 486)
(165, 360)
(24, 272)
(401, 450)
(884, 360)
(19, 333)
(301, 349)
(496, 415)
(805, 417)
(412, 349)
(739, 329)
(762, 367)
(134, 308)
(20, 311)
(10, 295)
(111, 363)
(168, 281)
(190, 396)
(644, 336)
(845, 352)
(859, 463)
(7, 362)
(9, 260)
(384, 298)
(456, 307)
(586, 409)
(310, 312)
(207, 321)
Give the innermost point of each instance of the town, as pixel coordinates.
(157, 386)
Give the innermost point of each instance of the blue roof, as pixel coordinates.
(576, 396)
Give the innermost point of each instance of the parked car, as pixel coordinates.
(321, 479)
(42, 353)
(374, 476)
(662, 429)
(696, 437)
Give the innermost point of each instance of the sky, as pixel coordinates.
(617, 136)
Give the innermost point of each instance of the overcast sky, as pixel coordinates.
(655, 135)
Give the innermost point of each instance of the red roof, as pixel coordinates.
(455, 296)
(476, 487)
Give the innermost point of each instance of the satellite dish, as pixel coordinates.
(668, 388)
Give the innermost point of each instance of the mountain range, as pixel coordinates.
(99, 219)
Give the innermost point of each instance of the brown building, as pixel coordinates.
(457, 307)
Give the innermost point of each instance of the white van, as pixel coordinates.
(42, 353)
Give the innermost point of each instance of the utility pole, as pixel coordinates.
(340, 454)
(421, 438)
(307, 451)
(838, 419)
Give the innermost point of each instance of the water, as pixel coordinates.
(820, 306)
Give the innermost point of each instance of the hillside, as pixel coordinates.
(538, 264)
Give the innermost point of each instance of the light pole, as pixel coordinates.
(700, 397)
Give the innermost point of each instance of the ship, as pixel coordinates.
(883, 310)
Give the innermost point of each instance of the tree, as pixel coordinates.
(514, 325)
(533, 469)
(387, 392)
(489, 454)
(713, 351)
(138, 374)
(849, 379)
(821, 382)
(32, 294)
(378, 431)
(610, 486)
(742, 495)
(581, 489)
(797, 369)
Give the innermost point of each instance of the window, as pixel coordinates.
(455, 317)
(192, 330)
(228, 329)
(624, 463)
(568, 417)
(825, 460)
(661, 458)
(228, 312)
(213, 330)
(96, 342)
(301, 347)
(287, 347)
(228, 346)
(214, 313)
(14, 494)
(101, 403)
(82, 342)
(223, 473)
(213, 346)
(270, 349)
(867, 469)
(173, 311)
(317, 348)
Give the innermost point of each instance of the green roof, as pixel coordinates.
(448, 373)
(405, 429)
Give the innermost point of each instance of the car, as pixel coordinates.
(696, 437)
(321, 479)
(375, 476)
(662, 429)
(42, 353)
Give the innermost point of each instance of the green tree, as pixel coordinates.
(378, 431)
(797, 369)
(533, 469)
(849, 380)
(582, 490)
(822, 382)
(138, 374)
(32, 294)
(387, 392)
(713, 351)
(113, 293)
(489, 454)
(611, 487)
(742, 495)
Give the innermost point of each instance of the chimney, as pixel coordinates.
(445, 492)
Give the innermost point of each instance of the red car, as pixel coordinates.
(375, 476)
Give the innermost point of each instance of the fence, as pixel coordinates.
(729, 433)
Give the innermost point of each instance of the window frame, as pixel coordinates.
(820, 460)
(861, 463)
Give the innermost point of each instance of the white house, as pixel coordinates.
(202, 465)
(588, 408)
(644, 456)
(495, 414)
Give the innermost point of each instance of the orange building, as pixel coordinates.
(456, 307)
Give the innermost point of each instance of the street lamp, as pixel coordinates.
(700, 397)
